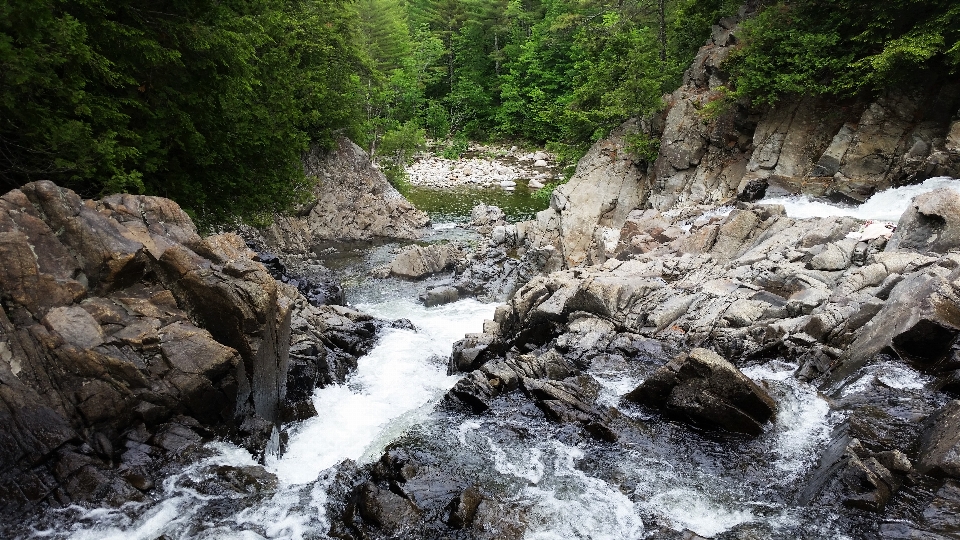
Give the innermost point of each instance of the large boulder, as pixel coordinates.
(123, 328)
(930, 223)
(919, 322)
(940, 444)
(705, 389)
(417, 262)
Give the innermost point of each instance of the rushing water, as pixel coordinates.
(660, 476)
(887, 205)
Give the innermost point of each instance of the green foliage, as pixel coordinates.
(456, 147)
(210, 104)
(642, 146)
(855, 46)
(397, 150)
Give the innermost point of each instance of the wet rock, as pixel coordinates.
(320, 287)
(940, 444)
(463, 509)
(919, 323)
(386, 509)
(705, 389)
(848, 475)
(126, 318)
(471, 352)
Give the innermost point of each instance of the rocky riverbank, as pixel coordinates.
(127, 341)
(485, 166)
(673, 357)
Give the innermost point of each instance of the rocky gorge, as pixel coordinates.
(667, 351)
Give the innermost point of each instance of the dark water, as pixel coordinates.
(454, 204)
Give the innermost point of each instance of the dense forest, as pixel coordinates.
(212, 102)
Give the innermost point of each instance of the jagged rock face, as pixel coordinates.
(704, 388)
(586, 212)
(354, 202)
(710, 154)
(117, 320)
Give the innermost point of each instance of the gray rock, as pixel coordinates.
(354, 201)
(417, 262)
(703, 388)
(436, 296)
(930, 223)
(940, 444)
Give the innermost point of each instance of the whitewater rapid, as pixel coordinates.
(887, 205)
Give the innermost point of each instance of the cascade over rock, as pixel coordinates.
(126, 340)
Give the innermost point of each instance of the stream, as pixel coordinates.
(661, 478)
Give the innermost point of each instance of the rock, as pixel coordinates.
(930, 223)
(485, 218)
(919, 323)
(535, 184)
(606, 187)
(354, 201)
(417, 262)
(540, 163)
(835, 256)
(705, 389)
(123, 319)
(940, 444)
(436, 296)
(386, 509)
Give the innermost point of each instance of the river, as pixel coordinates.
(662, 477)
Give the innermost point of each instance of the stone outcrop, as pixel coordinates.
(353, 201)
(127, 340)
(586, 212)
(119, 318)
(417, 262)
(704, 388)
(929, 223)
(940, 445)
(714, 149)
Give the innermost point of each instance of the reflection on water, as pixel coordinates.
(454, 204)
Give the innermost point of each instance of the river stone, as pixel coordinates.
(416, 262)
(386, 509)
(436, 296)
(930, 223)
(707, 390)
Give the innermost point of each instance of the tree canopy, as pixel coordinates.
(212, 102)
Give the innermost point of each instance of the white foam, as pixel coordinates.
(886, 205)
(695, 510)
(569, 504)
(803, 422)
(400, 379)
(613, 386)
(889, 373)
